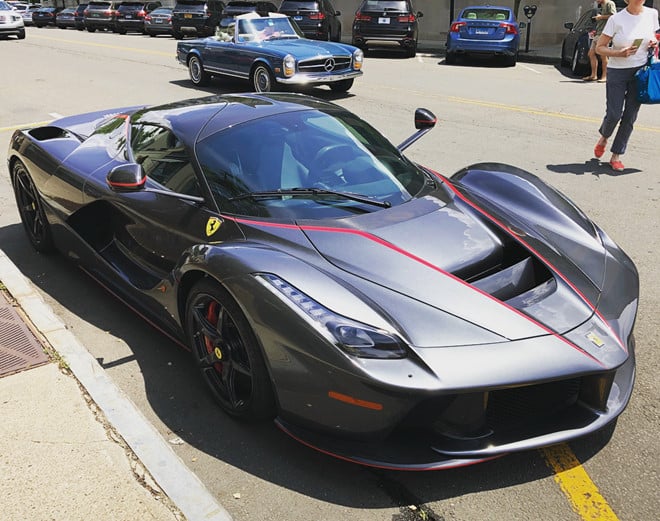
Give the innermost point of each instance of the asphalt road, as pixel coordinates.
(531, 116)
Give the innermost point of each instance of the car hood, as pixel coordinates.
(448, 257)
(303, 48)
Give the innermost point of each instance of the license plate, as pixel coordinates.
(482, 31)
(297, 18)
(383, 20)
(187, 15)
(158, 21)
(129, 16)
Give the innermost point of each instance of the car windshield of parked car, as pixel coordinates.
(307, 164)
(262, 29)
(300, 5)
(486, 14)
(385, 5)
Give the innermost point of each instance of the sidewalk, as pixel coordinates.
(73, 447)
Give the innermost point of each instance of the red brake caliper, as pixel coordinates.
(212, 317)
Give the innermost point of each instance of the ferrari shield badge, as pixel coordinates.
(595, 339)
(212, 225)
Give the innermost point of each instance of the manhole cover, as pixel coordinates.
(19, 348)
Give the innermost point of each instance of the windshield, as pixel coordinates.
(330, 151)
(385, 5)
(262, 29)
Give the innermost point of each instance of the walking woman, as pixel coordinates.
(631, 33)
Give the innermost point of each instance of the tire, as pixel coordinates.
(450, 58)
(411, 51)
(21, 34)
(198, 75)
(152, 34)
(177, 35)
(91, 29)
(576, 68)
(227, 353)
(31, 210)
(563, 61)
(510, 61)
(121, 31)
(261, 78)
(342, 85)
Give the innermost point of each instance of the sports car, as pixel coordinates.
(377, 310)
(270, 52)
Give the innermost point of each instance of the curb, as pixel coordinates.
(176, 480)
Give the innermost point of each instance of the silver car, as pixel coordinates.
(11, 22)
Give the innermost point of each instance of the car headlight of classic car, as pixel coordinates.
(352, 337)
(358, 58)
(289, 63)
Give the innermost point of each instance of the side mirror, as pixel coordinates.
(127, 178)
(419, 14)
(568, 25)
(337, 13)
(522, 25)
(424, 119)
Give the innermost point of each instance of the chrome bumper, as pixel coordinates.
(303, 79)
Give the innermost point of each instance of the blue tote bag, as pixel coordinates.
(648, 82)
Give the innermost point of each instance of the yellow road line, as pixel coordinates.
(576, 484)
(106, 46)
(527, 110)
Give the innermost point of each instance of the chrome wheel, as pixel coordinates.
(262, 79)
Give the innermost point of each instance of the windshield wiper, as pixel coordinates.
(311, 191)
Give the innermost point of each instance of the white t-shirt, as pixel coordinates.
(625, 28)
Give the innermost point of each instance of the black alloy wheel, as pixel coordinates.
(227, 353)
(31, 209)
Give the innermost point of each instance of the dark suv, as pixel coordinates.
(317, 20)
(100, 15)
(130, 16)
(386, 21)
(196, 17)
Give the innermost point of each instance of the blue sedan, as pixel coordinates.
(484, 31)
(270, 51)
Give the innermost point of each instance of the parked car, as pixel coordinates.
(235, 8)
(45, 16)
(575, 47)
(196, 17)
(11, 22)
(100, 14)
(485, 30)
(318, 20)
(130, 16)
(377, 311)
(66, 18)
(268, 51)
(27, 13)
(80, 16)
(385, 21)
(158, 21)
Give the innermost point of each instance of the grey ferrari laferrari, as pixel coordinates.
(377, 310)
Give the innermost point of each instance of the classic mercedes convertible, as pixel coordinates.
(270, 52)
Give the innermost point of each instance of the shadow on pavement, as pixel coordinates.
(178, 397)
(593, 167)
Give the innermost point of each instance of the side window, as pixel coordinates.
(163, 158)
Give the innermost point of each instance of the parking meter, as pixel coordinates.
(530, 11)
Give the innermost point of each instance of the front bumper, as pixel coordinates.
(318, 79)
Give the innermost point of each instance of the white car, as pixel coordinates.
(11, 22)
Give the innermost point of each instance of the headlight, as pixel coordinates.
(289, 65)
(358, 57)
(350, 336)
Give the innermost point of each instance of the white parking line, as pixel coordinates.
(55, 115)
(529, 68)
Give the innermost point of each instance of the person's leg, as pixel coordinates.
(593, 60)
(615, 94)
(630, 111)
(603, 61)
